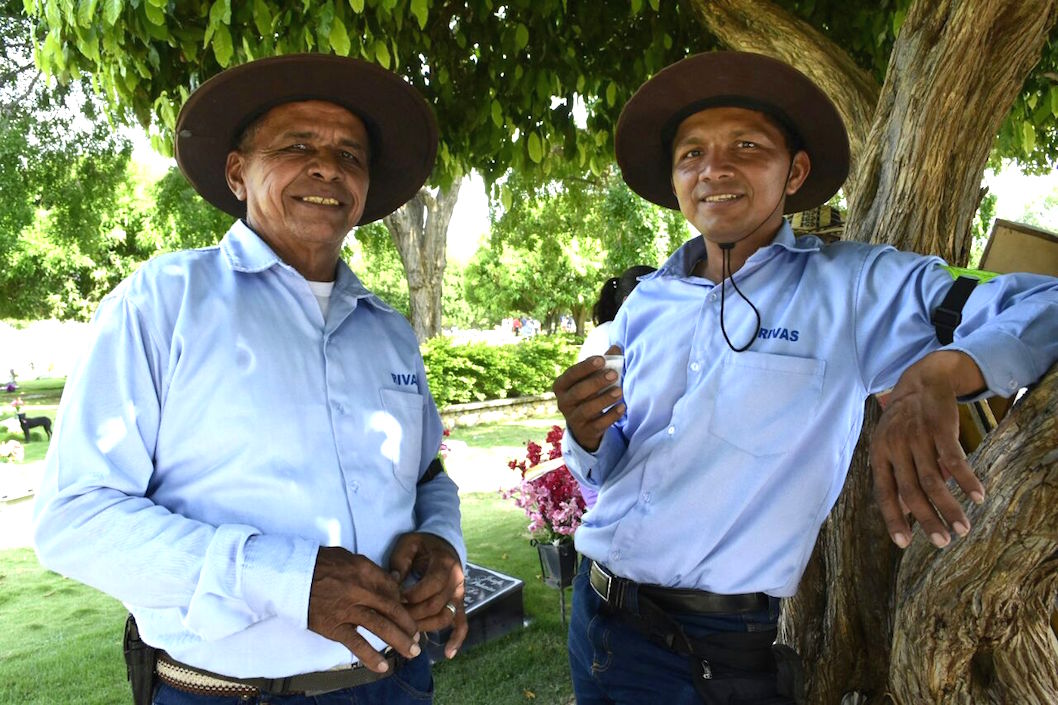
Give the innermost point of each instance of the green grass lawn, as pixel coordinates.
(60, 641)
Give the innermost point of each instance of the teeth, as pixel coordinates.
(320, 200)
(720, 198)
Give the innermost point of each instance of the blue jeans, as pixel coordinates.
(612, 662)
(411, 685)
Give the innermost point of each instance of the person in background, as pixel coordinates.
(613, 294)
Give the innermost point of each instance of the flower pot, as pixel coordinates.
(558, 564)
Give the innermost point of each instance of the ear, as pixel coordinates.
(799, 170)
(233, 173)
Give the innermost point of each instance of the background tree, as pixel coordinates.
(553, 244)
(69, 230)
(180, 218)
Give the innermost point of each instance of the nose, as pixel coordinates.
(325, 166)
(714, 165)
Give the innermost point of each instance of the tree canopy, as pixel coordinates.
(504, 77)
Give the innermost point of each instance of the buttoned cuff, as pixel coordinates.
(589, 468)
(277, 576)
(1005, 362)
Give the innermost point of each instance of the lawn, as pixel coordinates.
(60, 637)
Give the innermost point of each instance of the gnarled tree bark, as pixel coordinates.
(420, 229)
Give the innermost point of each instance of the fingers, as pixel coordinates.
(347, 635)
(589, 398)
(348, 591)
(913, 454)
(459, 631)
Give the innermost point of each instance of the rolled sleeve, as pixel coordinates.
(590, 468)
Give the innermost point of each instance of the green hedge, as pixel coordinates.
(475, 372)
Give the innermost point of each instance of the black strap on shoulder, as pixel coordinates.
(435, 469)
(947, 317)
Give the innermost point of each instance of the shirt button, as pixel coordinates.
(337, 407)
(1012, 384)
(615, 555)
(354, 486)
(646, 498)
(672, 430)
(712, 297)
(695, 366)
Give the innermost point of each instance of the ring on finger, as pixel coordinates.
(451, 608)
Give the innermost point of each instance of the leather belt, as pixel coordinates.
(199, 682)
(618, 593)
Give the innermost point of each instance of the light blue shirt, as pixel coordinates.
(725, 464)
(217, 433)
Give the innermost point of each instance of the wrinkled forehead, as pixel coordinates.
(303, 115)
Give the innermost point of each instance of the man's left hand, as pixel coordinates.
(436, 600)
(915, 449)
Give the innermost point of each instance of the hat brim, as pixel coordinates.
(400, 123)
(737, 78)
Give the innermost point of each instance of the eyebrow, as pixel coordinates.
(737, 133)
(308, 134)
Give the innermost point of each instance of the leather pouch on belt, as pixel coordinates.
(140, 658)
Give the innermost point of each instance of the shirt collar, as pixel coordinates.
(683, 260)
(247, 252)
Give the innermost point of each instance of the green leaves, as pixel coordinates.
(419, 11)
(339, 38)
(536, 147)
(382, 53)
(111, 11)
(222, 47)
(521, 37)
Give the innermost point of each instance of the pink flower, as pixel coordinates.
(551, 501)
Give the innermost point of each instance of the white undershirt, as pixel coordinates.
(322, 292)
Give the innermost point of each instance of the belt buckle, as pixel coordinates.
(609, 582)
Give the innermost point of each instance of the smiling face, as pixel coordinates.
(302, 170)
(731, 173)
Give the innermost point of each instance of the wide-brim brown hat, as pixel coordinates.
(399, 122)
(728, 78)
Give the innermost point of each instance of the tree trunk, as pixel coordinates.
(420, 231)
(955, 70)
(971, 621)
(974, 623)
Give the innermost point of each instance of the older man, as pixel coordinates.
(246, 456)
(748, 356)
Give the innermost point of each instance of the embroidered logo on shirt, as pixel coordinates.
(779, 334)
(404, 379)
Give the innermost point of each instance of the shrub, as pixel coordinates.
(459, 374)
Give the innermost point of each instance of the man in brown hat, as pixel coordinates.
(246, 456)
(748, 356)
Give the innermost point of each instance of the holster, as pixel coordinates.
(140, 659)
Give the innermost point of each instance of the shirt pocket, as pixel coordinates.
(403, 434)
(764, 402)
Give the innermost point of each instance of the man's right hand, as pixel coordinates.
(581, 399)
(348, 591)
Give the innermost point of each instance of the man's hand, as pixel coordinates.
(581, 399)
(348, 591)
(915, 449)
(440, 584)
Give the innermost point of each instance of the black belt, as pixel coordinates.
(199, 682)
(617, 592)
